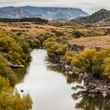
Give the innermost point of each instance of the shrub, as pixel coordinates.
(10, 100)
(14, 49)
(68, 56)
(6, 71)
(77, 34)
(92, 62)
(58, 33)
(54, 47)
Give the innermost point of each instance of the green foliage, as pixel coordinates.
(10, 46)
(85, 60)
(10, 100)
(14, 49)
(77, 34)
(54, 47)
(43, 36)
(91, 61)
(6, 71)
(58, 33)
(68, 56)
(4, 85)
(33, 43)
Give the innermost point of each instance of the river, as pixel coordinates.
(48, 89)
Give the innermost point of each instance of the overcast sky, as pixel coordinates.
(87, 5)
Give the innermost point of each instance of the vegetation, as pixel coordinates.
(10, 100)
(16, 46)
(58, 33)
(36, 20)
(77, 34)
(55, 47)
(96, 17)
(91, 61)
(14, 50)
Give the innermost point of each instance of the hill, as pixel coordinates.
(50, 13)
(104, 22)
(96, 17)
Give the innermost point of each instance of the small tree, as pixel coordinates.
(77, 34)
(54, 47)
(93, 62)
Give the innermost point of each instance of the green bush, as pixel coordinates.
(14, 49)
(91, 61)
(6, 71)
(58, 33)
(10, 100)
(77, 34)
(54, 47)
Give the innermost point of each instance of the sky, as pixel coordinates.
(86, 5)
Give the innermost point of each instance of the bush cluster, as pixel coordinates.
(14, 50)
(91, 61)
(55, 47)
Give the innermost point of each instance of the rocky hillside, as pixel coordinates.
(50, 13)
(96, 17)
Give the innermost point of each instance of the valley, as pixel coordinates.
(74, 55)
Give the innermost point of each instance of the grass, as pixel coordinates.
(98, 41)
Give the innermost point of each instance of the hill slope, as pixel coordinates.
(51, 13)
(98, 16)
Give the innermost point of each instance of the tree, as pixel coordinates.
(54, 47)
(93, 62)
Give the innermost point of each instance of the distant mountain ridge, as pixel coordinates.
(50, 13)
(100, 16)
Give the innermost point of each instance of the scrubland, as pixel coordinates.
(72, 50)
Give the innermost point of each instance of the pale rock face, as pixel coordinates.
(50, 13)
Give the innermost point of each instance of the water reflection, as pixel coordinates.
(48, 89)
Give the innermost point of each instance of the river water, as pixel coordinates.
(48, 89)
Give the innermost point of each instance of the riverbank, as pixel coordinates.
(18, 40)
(14, 59)
(47, 88)
(89, 65)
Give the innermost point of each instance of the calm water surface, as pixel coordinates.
(48, 89)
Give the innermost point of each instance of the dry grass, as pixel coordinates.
(33, 29)
(91, 42)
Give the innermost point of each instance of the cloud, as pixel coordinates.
(85, 4)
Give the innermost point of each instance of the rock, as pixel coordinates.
(22, 91)
(15, 65)
(70, 72)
